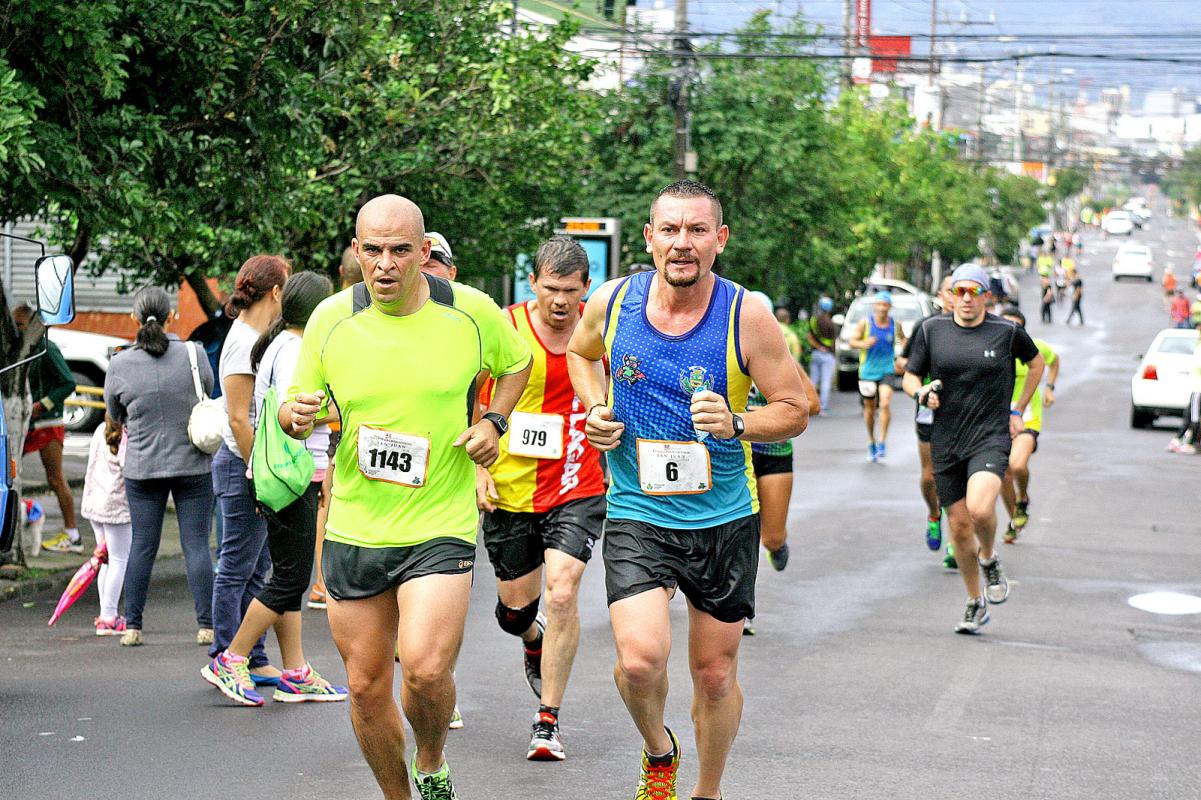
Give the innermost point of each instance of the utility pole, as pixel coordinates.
(980, 117)
(847, 49)
(1017, 115)
(683, 48)
(933, 37)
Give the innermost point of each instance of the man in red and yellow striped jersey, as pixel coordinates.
(544, 498)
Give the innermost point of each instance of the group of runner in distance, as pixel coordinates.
(510, 418)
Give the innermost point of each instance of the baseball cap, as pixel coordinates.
(764, 299)
(883, 296)
(973, 273)
(825, 304)
(439, 245)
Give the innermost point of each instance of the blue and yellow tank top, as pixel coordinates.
(878, 360)
(653, 376)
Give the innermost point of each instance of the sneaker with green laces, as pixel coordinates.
(306, 685)
(231, 675)
(658, 778)
(433, 785)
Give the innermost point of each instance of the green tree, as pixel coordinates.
(186, 137)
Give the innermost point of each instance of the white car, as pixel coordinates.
(1166, 376)
(87, 354)
(1133, 261)
(1118, 223)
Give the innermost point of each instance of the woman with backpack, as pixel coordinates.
(291, 531)
(243, 560)
(149, 389)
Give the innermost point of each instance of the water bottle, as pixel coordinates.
(700, 435)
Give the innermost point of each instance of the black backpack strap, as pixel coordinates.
(440, 290)
(362, 297)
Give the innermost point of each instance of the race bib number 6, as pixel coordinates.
(393, 457)
(666, 468)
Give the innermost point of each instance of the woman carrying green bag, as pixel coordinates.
(287, 486)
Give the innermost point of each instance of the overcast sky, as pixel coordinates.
(1021, 19)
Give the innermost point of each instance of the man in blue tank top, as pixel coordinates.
(877, 339)
(683, 350)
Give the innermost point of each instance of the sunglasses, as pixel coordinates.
(975, 290)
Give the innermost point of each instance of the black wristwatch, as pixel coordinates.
(501, 424)
(739, 426)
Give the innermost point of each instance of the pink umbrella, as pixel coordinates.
(80, 582)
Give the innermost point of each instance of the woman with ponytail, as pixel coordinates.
(243, 560)
(291, 531)
(149, 390)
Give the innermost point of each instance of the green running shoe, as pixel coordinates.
(433, 786)
(949, 560)
(934, 533)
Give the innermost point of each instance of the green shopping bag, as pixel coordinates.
(282, 466)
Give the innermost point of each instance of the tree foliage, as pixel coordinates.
(817, 191)
(188, 136)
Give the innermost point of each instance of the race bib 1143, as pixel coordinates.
(393, 457)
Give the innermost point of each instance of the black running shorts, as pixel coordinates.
(356, 573)
(714, 567)
(1032, 433)
(923, 432)
(951, 479)
(765, 464)
(516, 541)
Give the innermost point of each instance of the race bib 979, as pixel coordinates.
(673, 467)
(393, 457)
(536, 435)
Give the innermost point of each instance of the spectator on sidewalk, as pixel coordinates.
(50, 384)
(148, 388)
(243, 560)
(105, 507)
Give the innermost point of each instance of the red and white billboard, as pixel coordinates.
(886, 49)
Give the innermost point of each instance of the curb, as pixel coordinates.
(20, 590)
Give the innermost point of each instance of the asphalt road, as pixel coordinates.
(856, 686)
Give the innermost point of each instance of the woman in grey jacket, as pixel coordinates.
(149, 388)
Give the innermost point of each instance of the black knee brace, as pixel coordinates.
(516, 620)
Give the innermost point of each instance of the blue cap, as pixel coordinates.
(970, 272)
(883, 296)
(825, 304)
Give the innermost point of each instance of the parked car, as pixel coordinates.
(87, 354)
(1165, 377)
(875, 284)
(1118, 223)
(1133, 260)
(908, 309)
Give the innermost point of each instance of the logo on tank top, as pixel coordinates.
(629, 370)
(694, 379)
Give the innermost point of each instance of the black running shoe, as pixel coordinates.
(533, 659)
(778, 558)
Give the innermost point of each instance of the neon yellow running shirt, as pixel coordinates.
(404, 387)
(1033, 417)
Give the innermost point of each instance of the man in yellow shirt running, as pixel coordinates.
(400, 540)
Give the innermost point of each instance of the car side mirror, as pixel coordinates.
(838, 319)
(55, 277)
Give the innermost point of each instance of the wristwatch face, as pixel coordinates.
(739, 426)
(501, 424)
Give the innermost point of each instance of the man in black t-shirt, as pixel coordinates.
(969, 356)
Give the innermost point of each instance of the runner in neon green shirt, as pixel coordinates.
(1017, 477)
(398, 356)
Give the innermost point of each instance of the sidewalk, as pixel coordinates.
(54, 570)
